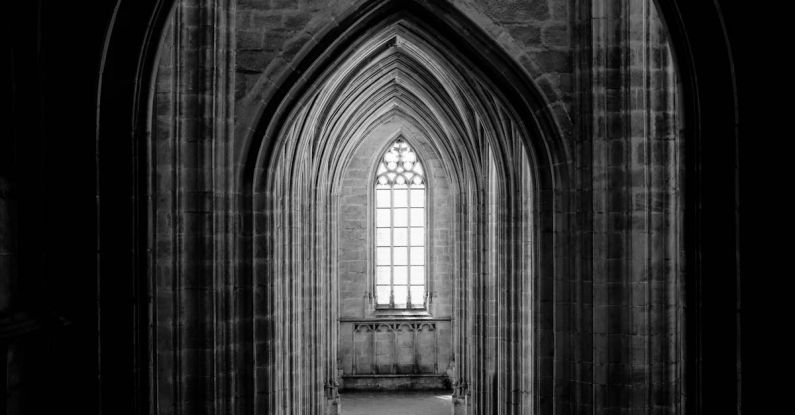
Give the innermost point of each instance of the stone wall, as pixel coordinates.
(563, 258)
(76, 161)
(273, 35)
(630, 327)
(191, 197)
(355, 257)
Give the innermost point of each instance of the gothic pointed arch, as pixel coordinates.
(549, 286)
(400, 59)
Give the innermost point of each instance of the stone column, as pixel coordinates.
(635, 208)
(461, 405)
(192, 262)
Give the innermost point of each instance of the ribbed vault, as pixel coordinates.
(494, 150)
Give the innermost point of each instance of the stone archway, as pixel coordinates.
(230, 359)
(404, 68)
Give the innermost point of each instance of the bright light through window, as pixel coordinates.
(400, 229)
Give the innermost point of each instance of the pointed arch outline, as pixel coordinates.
(499, 83)
(452, 26)
(124, 103)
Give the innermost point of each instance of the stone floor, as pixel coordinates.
(396, 403)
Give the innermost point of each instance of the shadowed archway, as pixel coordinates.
(266, 116)
(395, 61)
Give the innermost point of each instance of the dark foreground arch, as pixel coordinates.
(710, 136)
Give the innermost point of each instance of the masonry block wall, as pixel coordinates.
(633, 184)
(272, 35)
(356, 267)
(192, 272)
(591, 320)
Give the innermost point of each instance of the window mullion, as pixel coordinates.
(425, 249)
(408, 246)
(391, 173)
(391, 246)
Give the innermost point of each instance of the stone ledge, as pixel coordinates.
(375, 382)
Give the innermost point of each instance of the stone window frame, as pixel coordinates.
(371, 230)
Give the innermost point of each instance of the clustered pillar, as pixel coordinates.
(195, 337)
(630, 317)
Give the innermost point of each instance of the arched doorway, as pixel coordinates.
(395, 70)
(244, 369)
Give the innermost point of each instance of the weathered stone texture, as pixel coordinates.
(355, 257)
(271, 34)
(193, 218)
(631, 165)
(556, 223)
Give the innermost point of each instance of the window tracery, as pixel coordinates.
(400, 239)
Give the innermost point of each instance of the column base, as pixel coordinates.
(460, 405)
(332, 400)
(333, 406)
